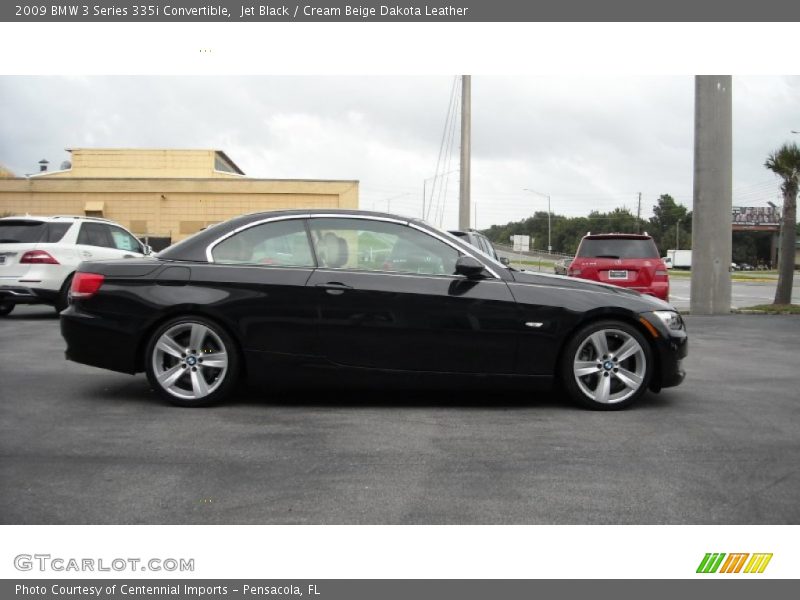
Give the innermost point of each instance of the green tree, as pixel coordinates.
(785, 163)
(670, 224)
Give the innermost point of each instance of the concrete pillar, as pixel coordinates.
(466, 144)
(711, 219)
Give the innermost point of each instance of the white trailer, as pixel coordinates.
(678, 259)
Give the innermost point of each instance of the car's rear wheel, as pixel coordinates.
(607, 365)
(62, 300)
(6, 308)
(192, 361)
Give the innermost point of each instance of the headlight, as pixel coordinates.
(670, 318)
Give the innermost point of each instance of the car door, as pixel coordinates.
(102, 241)
(389, 299)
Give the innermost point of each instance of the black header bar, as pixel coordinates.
(104, 11)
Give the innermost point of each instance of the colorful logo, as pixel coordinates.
(713, 563)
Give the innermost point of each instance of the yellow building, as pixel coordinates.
(163, 193)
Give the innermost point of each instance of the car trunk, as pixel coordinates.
(619, 271)
(17, 236)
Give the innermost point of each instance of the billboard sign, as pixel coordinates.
(522, 243)
(756, 215)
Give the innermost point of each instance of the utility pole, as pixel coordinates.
(549, 224)
(639, 215)
(711, 222)
(677, 234)
(424, 189)
(464, 192)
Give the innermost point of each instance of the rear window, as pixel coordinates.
(617, 248)
(21, 232)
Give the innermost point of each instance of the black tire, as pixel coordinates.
(626, 380)
(62, 300)
(182, 377)
(6, 308)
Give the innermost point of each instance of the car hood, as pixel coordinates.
(612, 295)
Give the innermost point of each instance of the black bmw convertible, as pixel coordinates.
(362, 293)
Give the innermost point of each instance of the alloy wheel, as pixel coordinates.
(189, 360)
(609, 366)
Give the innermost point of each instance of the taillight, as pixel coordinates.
(573, 272)
(85, 285)
(37, 257)
(661, 274)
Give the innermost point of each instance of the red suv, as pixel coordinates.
(624, 259)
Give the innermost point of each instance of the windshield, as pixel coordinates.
(617, 248)
(21, 232)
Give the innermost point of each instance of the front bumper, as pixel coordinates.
(671, 347)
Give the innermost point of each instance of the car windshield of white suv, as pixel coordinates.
(21, 232)
(618, 248)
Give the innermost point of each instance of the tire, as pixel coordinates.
(62, 300)
(6, 308)
(596, 376)
(187, 379)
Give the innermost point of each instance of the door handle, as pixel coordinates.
(334, 288)
(86, 254)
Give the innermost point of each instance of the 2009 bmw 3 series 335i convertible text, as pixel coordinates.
(362, 293)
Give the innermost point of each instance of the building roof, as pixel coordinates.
(143, 159)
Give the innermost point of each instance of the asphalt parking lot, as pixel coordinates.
(82, 445)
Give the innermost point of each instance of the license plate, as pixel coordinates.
(617, 274)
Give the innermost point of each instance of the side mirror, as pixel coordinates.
(469, 267)
(504, 261)
(147, 250)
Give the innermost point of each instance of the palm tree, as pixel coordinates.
(785, 163)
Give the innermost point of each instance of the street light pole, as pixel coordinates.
(549, 223)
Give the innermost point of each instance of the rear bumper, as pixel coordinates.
(99, 341)
(22, 295)
(659, 289)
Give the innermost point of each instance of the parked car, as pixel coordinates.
(561, 267)
(354, 292)
(38, 255)
(481, 242)
(624, 259)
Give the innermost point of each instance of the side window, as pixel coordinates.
(56, 231)
(124, 241)
(380, 246)
(278, 243)
(95, 234)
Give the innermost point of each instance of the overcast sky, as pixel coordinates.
(591, 143)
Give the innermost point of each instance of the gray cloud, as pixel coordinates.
(590, 142)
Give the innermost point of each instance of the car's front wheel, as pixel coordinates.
(607, 365)
(6, 308)
(192, 361)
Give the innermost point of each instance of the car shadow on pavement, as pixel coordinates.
(137, 391)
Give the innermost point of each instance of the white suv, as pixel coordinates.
(38, 255)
